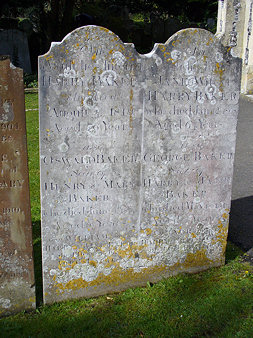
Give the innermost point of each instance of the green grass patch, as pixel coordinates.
(214, 303)
(32, 126)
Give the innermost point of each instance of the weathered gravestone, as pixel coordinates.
(14, 43)
(17, 290)
(136, 159)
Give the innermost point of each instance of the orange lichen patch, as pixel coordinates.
(162, 47)
(62, 264)
(109, 262)
(73, 264)
(209, 41)
(172, 61)
(193, 235)
(166, 54)
(93, 263)
(93, 56)
(104, 29)
(116, 277)
(173, 43)
(73, 62)
(221, 236)
(197, 259)
(49, 57)
(218, 70)
(130, 250)
(148, 231)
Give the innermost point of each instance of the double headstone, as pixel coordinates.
(136, 159)
(17, 291)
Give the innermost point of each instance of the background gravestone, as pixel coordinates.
(17, 291)
(136, 159)
(234, 28)
(14, 43)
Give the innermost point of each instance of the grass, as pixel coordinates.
(214, 303)
(32, 126)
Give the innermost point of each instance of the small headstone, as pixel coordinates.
(136, 159)
(17, 291)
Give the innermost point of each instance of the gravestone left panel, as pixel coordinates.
(17, 291)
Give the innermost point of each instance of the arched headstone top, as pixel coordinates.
(77, 39)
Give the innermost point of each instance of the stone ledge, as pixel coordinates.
(31, 90)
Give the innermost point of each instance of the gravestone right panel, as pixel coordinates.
(136, 159)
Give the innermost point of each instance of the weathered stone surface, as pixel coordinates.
(234, 28)
(17, 290)
(136, 159)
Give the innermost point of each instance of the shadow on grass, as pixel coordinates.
(37, 262)
(241, 223)
(232, 251)
(200, 305)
